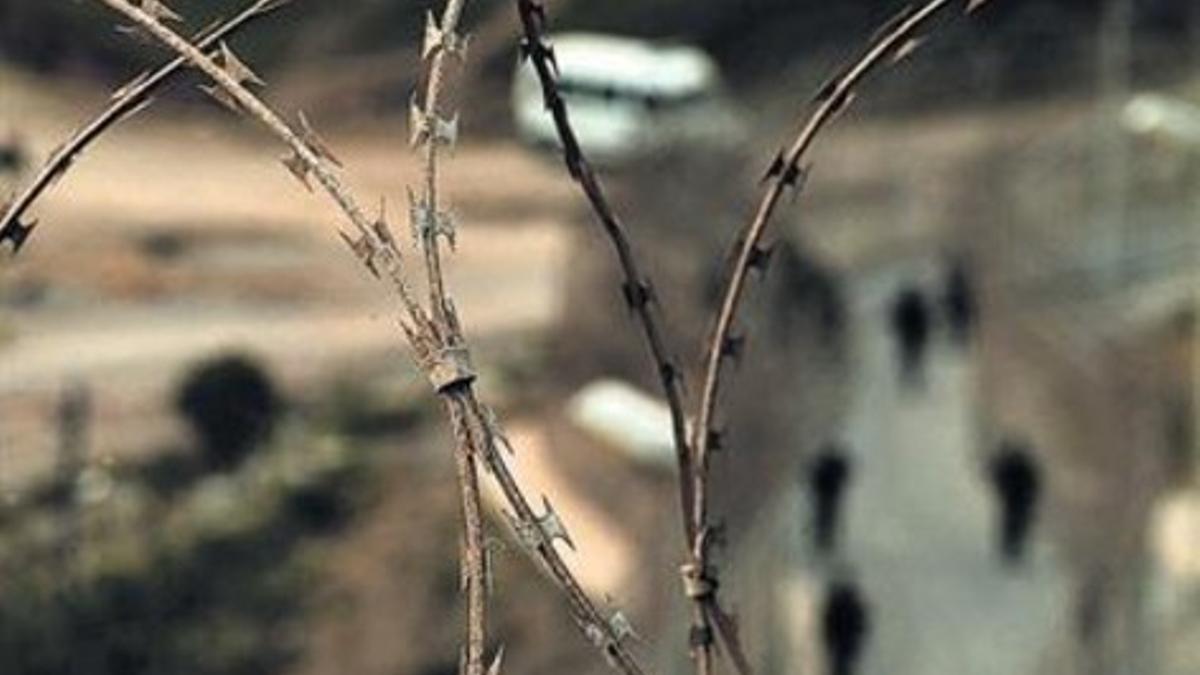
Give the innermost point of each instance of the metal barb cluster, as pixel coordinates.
(54, 171)
(298, 166)
(497, 661)
(363, 248)
(733, 347)
(315, 142)
(789, 173)
(424, 127)
(622, 627)
(427, 222)
(638, 295)
(238, 70)
(760, 258)
(437, 39)
(544, 530)
(619, 631)
(16, 232)
(495, 434)
(156, 12)
(159, 11)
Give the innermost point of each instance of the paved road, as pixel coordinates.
(918, 537)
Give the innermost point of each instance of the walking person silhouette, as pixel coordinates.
(1015, 478)
(958, 302)
(828, 476)
(845, 627)
(910, 323)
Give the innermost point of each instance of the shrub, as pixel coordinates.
(231, 405)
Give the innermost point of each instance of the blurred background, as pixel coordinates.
(962, 438)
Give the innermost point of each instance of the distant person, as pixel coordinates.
(1014, 475)
(828, 476)
(959, 302)
(911, 328)
(845, 627)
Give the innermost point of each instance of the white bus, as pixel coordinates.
(627, 97)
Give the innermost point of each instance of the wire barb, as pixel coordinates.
(638, 295)
(363, 249)
(299, 167)
(733, 347)
(16, 233)
(544, 530)
(424, 127)
(907, 49)
(716, 441)
(448, 42)
(497, 660)
(237, 68)
(622, 628)
(159, 11)
(239, 71)
(315, 143)
(760, 258)
(427, 222)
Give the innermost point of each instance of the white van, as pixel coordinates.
(627, 97)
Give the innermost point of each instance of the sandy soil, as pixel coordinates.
(181, 235)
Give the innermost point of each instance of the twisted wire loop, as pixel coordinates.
(450, 367)
(697, 584)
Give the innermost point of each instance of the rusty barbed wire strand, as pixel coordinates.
(429, 226)
(637, 288)
(473, 555)
(437, 348)
(896, 40)
(440, 41)
(609, 633)
(699, 588)
(786, 173)
(126, 101)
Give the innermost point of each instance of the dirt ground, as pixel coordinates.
(181, 235)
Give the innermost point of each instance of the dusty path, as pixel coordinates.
(919, 530)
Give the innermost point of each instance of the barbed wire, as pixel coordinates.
(435, 336)
(434, 331)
